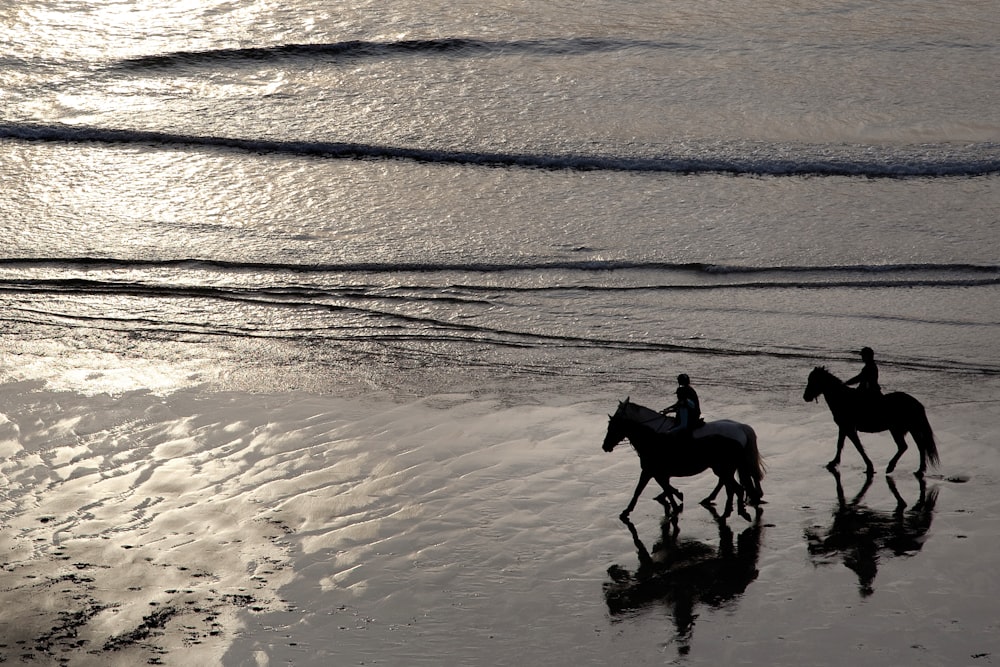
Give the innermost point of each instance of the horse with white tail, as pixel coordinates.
(726, 447)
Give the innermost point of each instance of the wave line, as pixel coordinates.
(586, 265)
(757, 164)
(358, 49)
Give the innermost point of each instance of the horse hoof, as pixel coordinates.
(707, 502)
(746, 515)
(623, 517)
(832, 465)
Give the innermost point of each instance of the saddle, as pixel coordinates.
(870, 409)
(696, 431)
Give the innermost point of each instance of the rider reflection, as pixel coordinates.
(680, 573)
(860, 535)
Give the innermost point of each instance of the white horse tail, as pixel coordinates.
(752, 470)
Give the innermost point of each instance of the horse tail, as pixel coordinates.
(923, 435)
(752, 470)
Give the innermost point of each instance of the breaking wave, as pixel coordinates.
(988, 272)
(357, 49)
(734, 159)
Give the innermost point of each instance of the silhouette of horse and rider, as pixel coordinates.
(681, 574)
(727, 448)
(686, 445)
(868, 410)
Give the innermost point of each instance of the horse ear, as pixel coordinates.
(627, 399)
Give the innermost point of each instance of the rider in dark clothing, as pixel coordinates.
(869, 391)
(687, 408)
(867, 379)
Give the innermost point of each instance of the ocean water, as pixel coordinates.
(615, 190)
(511, 200)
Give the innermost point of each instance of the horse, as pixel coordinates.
(856, 410)
(727, 448)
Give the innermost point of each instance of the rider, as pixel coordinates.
(687, 408)
(867, 379)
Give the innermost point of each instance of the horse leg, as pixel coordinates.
(729, 503)
(667, 498)
(735, 488)
(677, 494)
(758, 492)
(832, 465)
(730, 483)
(673, 492)
(741, 507)
(644, 478)
(670, 494)
(751, 487)
(921, 447)
(869, 466)
(900, 438)
(711, 497)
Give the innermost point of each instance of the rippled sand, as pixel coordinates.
(203, 527)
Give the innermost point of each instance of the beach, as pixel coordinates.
(206, 526)
(312, 319)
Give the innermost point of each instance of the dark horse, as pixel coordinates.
(662, 457)
(854, 410)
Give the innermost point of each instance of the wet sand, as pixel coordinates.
(239, 528)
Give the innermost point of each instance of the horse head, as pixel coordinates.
(616, 427)
(816, 384)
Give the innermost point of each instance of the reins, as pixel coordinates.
(656, 417)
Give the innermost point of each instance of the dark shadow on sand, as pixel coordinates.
(680, 574)
(862, 537)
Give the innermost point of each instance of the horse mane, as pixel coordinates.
(644, 412)
(822, 370)
(646, 417)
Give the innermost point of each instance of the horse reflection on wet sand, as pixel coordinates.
(681, 573)
(861, 536)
